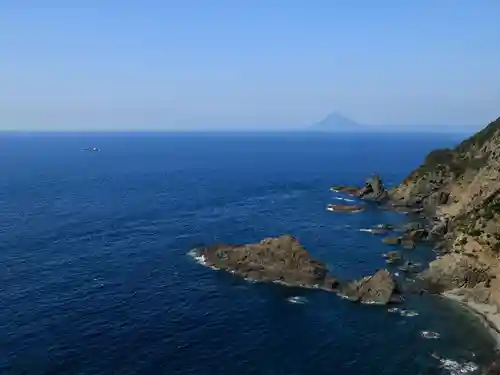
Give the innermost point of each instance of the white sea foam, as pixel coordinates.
(366, 230)
(394, 310)
(429, 335)
(456, 368)
(297, 300)
(201, 259)
(409, 313)
(344, 199)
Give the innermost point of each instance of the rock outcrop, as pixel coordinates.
(458, 189)
(283, 259)
(280, 259)
(373, 190)
(344, 208)
(377, 289)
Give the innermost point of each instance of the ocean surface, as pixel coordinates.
(96, 276)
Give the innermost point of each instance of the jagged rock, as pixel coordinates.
(439, 228)
(344, 208)
(455, 271)
(443, 197)
(373, 190)
(281, 259)
(378, 289)
(392, 240)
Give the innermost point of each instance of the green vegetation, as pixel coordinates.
(480, 138)
(476, 232)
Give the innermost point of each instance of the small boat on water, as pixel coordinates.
(92, 149)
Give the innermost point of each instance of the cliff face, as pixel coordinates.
(460, 188)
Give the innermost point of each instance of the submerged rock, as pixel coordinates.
(409, 266)
(392, 256)
(280, 259)
(377, 289)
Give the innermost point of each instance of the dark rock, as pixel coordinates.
(415, 235)
(439, 228)
(455, 271)
(409, 266)
(392, 240)
(493, 368)
(413, 226)
(373, 190)
(378, 289)
(443, 197)
(280, 259)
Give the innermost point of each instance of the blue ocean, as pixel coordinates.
(96, 276)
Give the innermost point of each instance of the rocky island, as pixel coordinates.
(284, 260)
(373, 190)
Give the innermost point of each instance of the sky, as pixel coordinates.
(273, 64)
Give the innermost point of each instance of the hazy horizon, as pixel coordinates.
(394, 66)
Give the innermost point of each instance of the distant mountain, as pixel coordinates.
(336, 122)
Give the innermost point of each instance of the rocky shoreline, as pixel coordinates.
(454, 194)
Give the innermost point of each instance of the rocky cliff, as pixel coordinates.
(459, 189)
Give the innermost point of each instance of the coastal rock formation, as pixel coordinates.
(280, 259)
(456, 271)
(373, 190)
(344, 208)
(458, 189)
(283, 259)
(377, 289)
(392, 240)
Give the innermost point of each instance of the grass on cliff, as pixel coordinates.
(480, 138)
(456, 161)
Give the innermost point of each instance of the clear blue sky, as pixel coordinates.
(236, 64)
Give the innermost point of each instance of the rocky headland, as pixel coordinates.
(458, 192)
(454, 196)
(284, 260)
